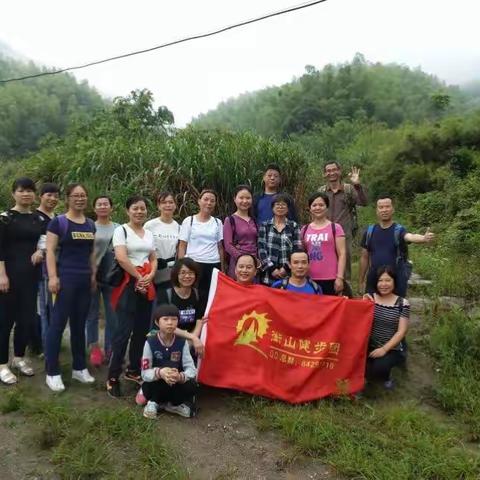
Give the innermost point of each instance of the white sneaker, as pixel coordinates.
(23, 366)
(7, 376)
(182, 409)
(83, 376)
(55, 383)
(150, 410)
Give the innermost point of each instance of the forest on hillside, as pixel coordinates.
(33, 109)
(358, 90)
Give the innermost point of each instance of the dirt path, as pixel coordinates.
(220, 443)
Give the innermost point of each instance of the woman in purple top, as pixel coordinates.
(240, 231)
(71, 279)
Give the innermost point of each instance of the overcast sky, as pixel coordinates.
(439, 36)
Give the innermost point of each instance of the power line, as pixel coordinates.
(169, 44)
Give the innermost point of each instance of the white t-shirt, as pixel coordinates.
(165, 236)
(138, 249)
(202, 239)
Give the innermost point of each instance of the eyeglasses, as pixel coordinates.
(186, 274)
(81, 196)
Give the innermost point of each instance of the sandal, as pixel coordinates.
(23, 366)
(6, 376)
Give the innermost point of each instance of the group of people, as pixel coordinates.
(153, 277)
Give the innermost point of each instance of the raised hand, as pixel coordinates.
(354, 176)
(429, 236)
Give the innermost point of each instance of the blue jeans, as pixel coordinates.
(44, 307)
(72, 302)
(110, 317)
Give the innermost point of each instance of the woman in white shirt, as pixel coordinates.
(132, 299)
(201, 238)
(165, 232)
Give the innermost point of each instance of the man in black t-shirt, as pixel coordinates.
(385, 244)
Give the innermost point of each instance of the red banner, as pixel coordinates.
(279, 344)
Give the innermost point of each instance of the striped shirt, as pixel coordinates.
(274, 247)
(385, 323)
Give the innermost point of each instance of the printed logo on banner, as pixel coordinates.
(250, 328)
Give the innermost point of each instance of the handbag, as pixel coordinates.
(115, 273)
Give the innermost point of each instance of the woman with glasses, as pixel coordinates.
(277, 239)
(71, 279)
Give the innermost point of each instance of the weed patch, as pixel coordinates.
(107, 442)
(455, 344)
(372, 442)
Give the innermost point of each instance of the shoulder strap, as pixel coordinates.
(368, 238)
(303, 233)
(195, 291)
(168, 291)
(334, 233)
(191, 226)
(400, 244)
(284, 284)
(233, 225)
(314, 285)
(63, 224)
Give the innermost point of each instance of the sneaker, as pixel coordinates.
(83, 376)
(389, 385)
(182, 409)
(133, 376)
(150, 410)
(140, 398)
(96, 357)
(55, 383)
(23, 366)
(7, 376)
(113, 388)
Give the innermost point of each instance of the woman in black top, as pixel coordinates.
(20, 230)
(184, 295)
(387, 348)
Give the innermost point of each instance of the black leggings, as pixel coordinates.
(160, 392)
(133, 322)
(380, 368)
(206, 270)
(18, 306)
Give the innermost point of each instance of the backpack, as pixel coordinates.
(314, 285)
(217, 221)
(233, 225)
(347, 288)
(400, 246)
(168, 292)
(63, 225)
(351, 204)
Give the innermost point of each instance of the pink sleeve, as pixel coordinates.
(339, 230)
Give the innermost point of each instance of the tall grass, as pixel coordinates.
(455, 343)
(184, 162)
(101, 442)
(373, 443)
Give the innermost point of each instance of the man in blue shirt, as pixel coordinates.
(298, 281)
(385, 243)
(262, 203)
